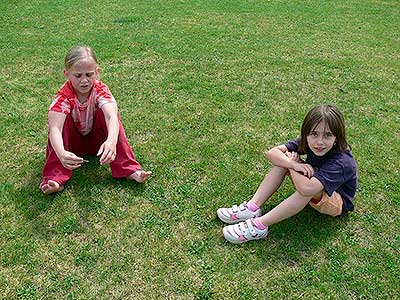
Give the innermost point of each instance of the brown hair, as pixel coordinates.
(333, 118)
(78, 53)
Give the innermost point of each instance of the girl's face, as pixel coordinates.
(82, 75)
(320, 139)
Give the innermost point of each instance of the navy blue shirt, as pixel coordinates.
(337, 171)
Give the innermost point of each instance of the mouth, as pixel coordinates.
(319, 149)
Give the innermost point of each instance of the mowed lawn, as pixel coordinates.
(203, 88)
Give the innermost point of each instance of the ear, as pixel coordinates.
(98, 70)
(66, 73)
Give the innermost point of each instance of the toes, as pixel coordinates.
(47, 189)
(44, 187)
(51, 187)
(52, 184)
(140, 176)
(145, 175)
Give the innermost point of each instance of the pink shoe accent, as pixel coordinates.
(233, 217)
(252, 206)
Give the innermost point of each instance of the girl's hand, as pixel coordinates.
(70, 161)
(293, 156)
(299, 166)
(305, 169)
(108, 152)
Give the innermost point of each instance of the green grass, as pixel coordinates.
(204, 88)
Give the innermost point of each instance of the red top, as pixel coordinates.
(66, 101)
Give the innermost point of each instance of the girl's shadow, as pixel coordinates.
(299, 236)
(88, 186)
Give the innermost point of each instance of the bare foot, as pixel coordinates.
(140, 176)
(51, 187)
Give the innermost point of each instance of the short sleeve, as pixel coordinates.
(63, 101)
(61, 104)
(293, 145)
(103, 94)
(331, 175)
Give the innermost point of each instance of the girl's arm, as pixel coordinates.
(307, 186)
(108, 148)
(277, 156)
(281, 157)
(56, 124)
(300, 173)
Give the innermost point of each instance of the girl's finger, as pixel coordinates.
(100, 150)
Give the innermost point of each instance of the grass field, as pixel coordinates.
(203, 88)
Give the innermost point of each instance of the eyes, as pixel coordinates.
(325, 135)
(88, 75)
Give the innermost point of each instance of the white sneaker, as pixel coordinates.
(243, 232)
(236, 214)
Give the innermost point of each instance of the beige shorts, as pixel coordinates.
(328, 205)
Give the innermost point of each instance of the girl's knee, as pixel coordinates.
(280, 170)
(301, 197)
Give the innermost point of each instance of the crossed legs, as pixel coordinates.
(287, 208)
(125, 165)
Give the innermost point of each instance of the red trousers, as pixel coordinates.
(124, 164)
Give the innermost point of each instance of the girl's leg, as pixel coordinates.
(54, 174)
(289, 207)
(257, 228)
(269, 185)
(125, 163)
(251, 209)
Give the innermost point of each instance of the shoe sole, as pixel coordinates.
(229, 238)
(233, 240)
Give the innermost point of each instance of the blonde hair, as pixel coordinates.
(78, 53)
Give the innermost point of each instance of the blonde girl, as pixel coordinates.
(83, 120)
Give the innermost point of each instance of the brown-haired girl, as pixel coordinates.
(83, 120)
(327, 179)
